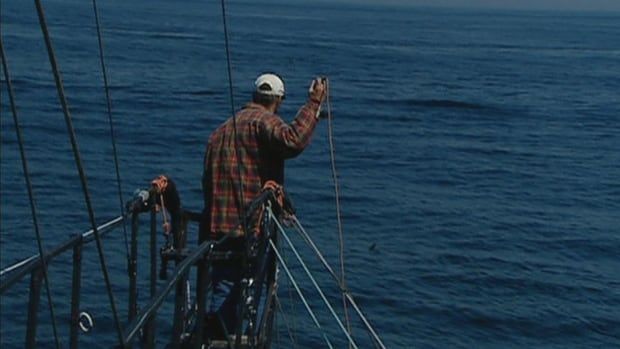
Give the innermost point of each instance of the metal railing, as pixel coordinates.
(138, 320)
(34, 266)
(188, 321)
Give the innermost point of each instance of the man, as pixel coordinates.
(263, 142)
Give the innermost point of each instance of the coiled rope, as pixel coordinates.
(78, 162)
(33, 208)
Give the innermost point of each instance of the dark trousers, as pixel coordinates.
(223, 309)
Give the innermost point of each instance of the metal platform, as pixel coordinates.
(222, 344)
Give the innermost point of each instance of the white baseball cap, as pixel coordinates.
(269, 84)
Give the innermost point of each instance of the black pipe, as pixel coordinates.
(201, 306)
(76, 284)
(149, 329)
(151, 309)
(33, 209)
(202, 276)
(179, 232)
(33, 308)
(133, 267)
(78, 163)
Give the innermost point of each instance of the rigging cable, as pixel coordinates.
(301, 295)
(332, 156)
(112, 133)
(234, 117)
(33, 209)
(288, 328)
(292, 307)
(307, 238)
(238, 161)
(78, 163)
(316, 285)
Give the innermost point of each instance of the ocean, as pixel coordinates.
(478, 154)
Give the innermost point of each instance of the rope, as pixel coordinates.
(112, 133)
(33, 209)
(301, 295)
(311, 243)
(316, 285)
(332, 156)
(78, 162)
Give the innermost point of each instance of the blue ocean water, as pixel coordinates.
(477, 150)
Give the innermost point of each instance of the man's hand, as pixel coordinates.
(317, 89)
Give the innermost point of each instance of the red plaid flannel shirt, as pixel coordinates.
(264, 142)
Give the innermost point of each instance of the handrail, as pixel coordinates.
(140, 320)
(18, 265)
(22, 268)
(203, 255)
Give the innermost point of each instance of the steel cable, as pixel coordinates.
(300, 294)
(329, 269)
(291, 304)
(35, 220)
(78, 162)
(288, 328)
(312, 279)
(234, 117)
(111, 123)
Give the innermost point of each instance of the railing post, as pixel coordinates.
(201, 290)
(76, 284)
(202, 281)
(149, 330)
(133, 267)
(267, 317)
(33, 306)
(180, 307)
(179, 313)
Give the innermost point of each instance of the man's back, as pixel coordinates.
(264, 141)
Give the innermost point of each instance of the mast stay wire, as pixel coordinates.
(78, 163)
(112, 133)
(332, 157)
(241, 206)
(291, 305)
(300, 294)
(33, 209)
(234, 117)
(312, 279)
(300, 229)
(288, 328)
